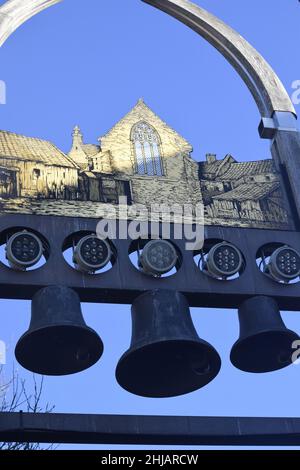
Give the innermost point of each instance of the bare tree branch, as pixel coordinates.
(15, 396)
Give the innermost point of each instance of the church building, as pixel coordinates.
(142, 158)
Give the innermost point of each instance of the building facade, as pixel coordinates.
(243, 193)
(143, 159)
(35, 168)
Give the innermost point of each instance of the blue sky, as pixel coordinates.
(87, 63)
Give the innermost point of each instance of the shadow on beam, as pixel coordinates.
(152, 430)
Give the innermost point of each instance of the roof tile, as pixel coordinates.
(31, 149)
(248, 191)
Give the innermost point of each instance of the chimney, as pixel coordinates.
(211, 157)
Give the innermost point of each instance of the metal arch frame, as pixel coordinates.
(265, 86)
(13, 13)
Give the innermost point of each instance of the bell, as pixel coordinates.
(58, 342)
(265, 344)
(166, 357)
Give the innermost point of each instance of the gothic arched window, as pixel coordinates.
(146, 143)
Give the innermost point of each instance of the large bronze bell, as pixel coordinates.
(58, 342)
(265, 344)
(166, 357)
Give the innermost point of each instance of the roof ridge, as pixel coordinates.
(204, 162)
(26, 136)
(255, 183)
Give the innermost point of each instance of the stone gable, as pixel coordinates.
(118, 142)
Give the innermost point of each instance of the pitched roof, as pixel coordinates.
(238, 170)
(212, 170)
(17, 146)
(248, 192)
(90, 149)
(143, 109)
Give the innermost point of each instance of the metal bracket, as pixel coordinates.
(281, 121)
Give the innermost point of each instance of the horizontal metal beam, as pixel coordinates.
(124, 282)
(151, 430)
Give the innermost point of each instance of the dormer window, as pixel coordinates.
(146, 142)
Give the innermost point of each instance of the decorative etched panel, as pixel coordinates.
(243, 194)
(38, 178)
